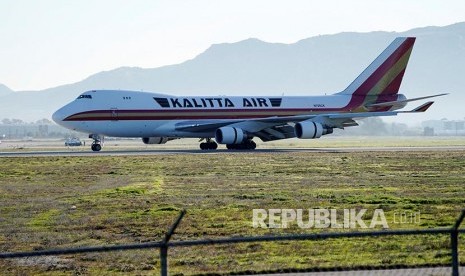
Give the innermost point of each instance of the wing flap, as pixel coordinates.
(202, 126)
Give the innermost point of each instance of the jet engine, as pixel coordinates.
(155, 140)
(310, 130)
(229, 135)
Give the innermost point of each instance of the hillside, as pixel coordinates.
(312, 66)
(4, 90)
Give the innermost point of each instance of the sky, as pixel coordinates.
(48, 43)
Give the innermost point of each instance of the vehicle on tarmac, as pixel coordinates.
(73, 142)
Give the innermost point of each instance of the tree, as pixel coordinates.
(373, 126)
(44, 121)
(6, 121)
(17, 122)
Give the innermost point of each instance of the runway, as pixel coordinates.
(141, 152)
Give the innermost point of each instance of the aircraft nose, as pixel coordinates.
(58, 116)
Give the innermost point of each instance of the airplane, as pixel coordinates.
(235, 121)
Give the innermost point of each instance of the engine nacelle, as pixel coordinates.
(155, 140)
(229, 135)
(310, 130)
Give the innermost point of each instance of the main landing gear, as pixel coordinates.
(97, 143)
(246, 145)
(208, 145)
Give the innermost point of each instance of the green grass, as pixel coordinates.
(53, 202)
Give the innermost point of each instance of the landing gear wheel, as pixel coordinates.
(96, 147)
(213, 146)
(97, 143)
(246, 145)
(251, 145)
(231, 146)
(209, 145)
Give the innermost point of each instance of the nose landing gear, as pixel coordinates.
(96, 147)
(97, 142)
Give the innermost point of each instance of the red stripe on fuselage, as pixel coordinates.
(185, 114)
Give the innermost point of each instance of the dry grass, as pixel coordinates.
(49, 202)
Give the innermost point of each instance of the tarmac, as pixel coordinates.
(161, 151)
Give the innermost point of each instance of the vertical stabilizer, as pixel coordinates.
(385, 73)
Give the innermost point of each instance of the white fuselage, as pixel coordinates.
(141, 114)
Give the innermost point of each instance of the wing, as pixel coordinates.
(276, 128)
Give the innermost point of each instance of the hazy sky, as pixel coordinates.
(47, 43)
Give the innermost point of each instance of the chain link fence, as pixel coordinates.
(396, 247)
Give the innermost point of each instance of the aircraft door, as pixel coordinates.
(114, 114)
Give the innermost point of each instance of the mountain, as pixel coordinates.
(312, 66)
(4, 90)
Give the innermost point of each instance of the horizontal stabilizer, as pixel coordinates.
(404, 101)
(422, 108)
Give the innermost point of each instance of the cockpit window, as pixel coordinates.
(84, 97)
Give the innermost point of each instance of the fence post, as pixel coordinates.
(454, 241)
(164, 260)
(164, 246)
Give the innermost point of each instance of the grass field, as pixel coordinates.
(52, 202)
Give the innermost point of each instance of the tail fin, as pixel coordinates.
(384, 75)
